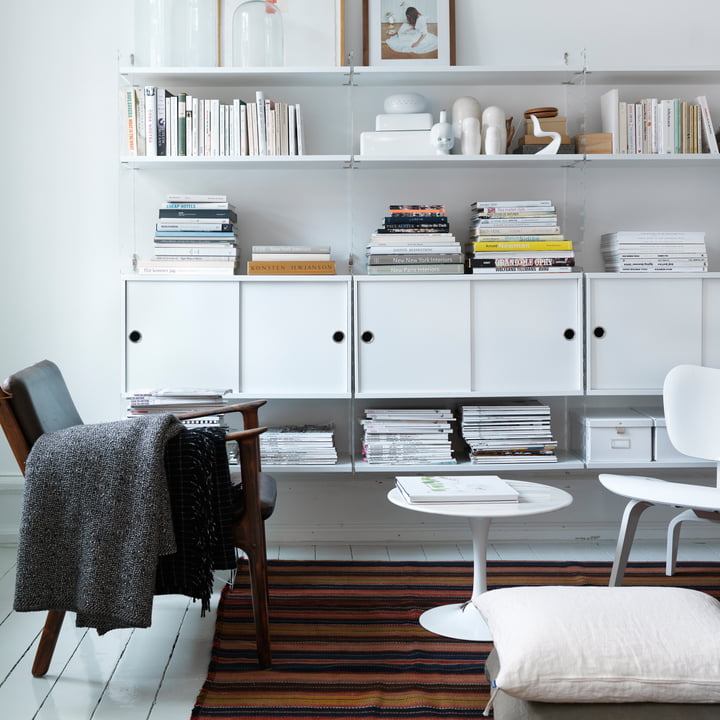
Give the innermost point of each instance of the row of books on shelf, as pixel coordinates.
(657, 126)
(161, 123)
(197, 234)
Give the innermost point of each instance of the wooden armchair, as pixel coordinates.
(36, 400)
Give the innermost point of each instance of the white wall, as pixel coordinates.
(60, 287)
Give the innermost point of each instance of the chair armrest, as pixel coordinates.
(242, 435)
(248, 410)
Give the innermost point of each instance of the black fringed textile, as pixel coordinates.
(202, 504)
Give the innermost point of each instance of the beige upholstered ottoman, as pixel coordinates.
(603, 652)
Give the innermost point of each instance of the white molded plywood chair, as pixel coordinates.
(691, 398)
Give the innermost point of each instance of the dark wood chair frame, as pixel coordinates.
(248, 522)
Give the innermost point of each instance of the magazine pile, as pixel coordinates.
(455, 489)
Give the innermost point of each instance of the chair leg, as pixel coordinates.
(673, 534)
(632, 513)
(260, 603)
(48, 640)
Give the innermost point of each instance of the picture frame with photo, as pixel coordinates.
(313, 32)
(415, 33)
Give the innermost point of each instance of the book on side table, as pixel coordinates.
(445, 489)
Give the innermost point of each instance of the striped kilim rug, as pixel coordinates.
(346, 641)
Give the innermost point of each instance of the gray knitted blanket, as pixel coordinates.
(96, 517)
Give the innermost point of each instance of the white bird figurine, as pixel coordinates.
(552, 147)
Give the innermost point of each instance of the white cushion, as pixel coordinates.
(605, 644)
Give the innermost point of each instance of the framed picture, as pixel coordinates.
(313, 32)
(409, 34)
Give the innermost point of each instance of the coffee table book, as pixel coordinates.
(447, 489)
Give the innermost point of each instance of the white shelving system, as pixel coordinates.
(428, 341)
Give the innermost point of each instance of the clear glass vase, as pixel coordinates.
(176, 33)
(194, 27)
(152, 33)
(257, 37)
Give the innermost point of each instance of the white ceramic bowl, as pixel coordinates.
(405, 103)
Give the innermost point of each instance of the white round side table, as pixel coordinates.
(462, 620)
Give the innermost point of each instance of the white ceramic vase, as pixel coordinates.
(463, 107)
(494, 132)
(471, 140)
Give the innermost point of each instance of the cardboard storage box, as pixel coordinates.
(617, 435)
(662, 449)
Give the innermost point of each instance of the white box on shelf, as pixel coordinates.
(396, 142)
(662, 449)
(612, 435)
(403, 121)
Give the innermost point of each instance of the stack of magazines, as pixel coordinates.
(508, 432)
(462, 489)
(299, 445)
(408, 436)
(180, 400)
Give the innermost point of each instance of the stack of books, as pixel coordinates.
(164, 124)
(508, 432)
(517, 236)
(182, 400)
(299, 445)
(194, 235)
(648, 251)
(290, 260)
(414, 239)
(408, 436)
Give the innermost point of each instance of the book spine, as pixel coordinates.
(532, 268)
(709, 139)
(140, 124)
(150, 121)
(173, 126)
(182, 124)
(537, 245)
(194, 227)
(420, 259)
(408, 249)
(435, 269)
(289, 249)
(161, 122)
(189, 125)
(511, 203)
(300, 130)
(256, 267)
(520, 238)
(261, 122)
(221, 215)
(131, 121)
(301, 257)
(522, 262)
(526, 230)
(243, 130)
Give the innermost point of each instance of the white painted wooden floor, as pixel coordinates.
(155, 674)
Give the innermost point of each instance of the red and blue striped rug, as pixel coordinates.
(346, 641)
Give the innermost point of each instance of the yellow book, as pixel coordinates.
(489, 245)
(291, 267)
